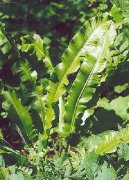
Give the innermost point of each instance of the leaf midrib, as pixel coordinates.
(90, 75)
(64, 76)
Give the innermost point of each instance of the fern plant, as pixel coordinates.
(84, 55)
(58, 100)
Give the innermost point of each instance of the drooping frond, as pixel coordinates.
(35, 45)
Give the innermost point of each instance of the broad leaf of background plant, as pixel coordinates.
(123, 151)
(120, 105)
(106, 173)
(87, 167)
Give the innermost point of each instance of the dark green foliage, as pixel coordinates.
(71, 114)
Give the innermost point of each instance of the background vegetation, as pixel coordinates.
(40, 138)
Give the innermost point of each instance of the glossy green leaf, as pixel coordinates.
(75, 54)
(89, 75)
(89, 46)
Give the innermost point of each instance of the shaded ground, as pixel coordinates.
(10, 134)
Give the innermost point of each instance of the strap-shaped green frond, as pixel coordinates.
(73, 56)
(89, 46)
(89, 75)
(24, 123)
